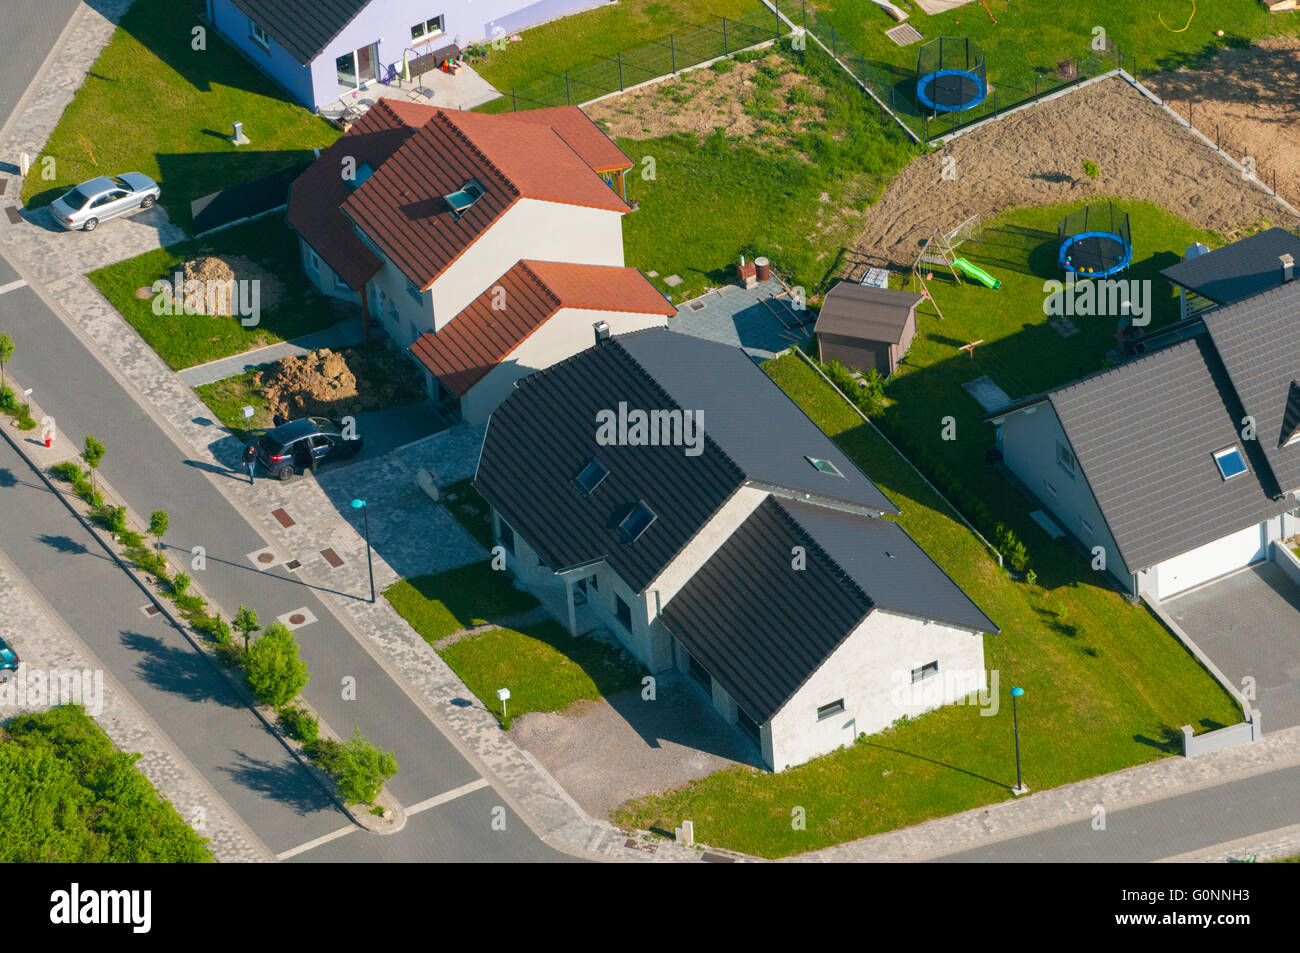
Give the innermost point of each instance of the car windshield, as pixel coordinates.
(76, 199)
(121, 183)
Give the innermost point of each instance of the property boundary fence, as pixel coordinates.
(666, 57)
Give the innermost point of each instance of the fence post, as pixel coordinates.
(568, 96)
(672, 45)
(620, 71)
(514, 103)
(834, 55)
(726, 47)
(803, 14)
(776, 8)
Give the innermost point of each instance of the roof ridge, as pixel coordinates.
(808, 534)
(458, 131)
(536, 279)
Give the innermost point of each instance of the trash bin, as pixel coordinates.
(764, 268)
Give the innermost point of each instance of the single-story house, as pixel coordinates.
(454, 230)
(714, 528)
(1180, 466)
(321, 50)
(866, 327)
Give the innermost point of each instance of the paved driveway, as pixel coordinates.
(1249, 624)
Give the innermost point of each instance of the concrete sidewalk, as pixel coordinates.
(346, 333)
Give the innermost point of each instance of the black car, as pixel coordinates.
(302, 445)
(8, 661)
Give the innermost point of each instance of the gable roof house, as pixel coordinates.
(1182, 465)
(321, 50)
(490, 246)
(724, 534)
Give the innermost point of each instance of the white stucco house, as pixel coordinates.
(724, 534)
(1182, 465)
(488, 245)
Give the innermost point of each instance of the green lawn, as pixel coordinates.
(1030, 39)
(437, 606)
(1105, 688)
(544, 667)
(795, 197)
(185, 340)
(153, 104)
(470, 510)
(585, 40)
(1022, 353)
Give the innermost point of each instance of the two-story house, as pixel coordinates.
(713, 527)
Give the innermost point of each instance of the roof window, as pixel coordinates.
(636, 522)
(1230, 462)
(592, 475)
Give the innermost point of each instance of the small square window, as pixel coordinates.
(1230, 462)
(1065, 457)
(507, 537)
(925, 671)
(428, 28)
(1050, 489)
(415, 292)
(825, 466)
(828, 711)
(312, 261)
(260, 36)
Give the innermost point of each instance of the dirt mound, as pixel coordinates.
(1035, 158)
(217, 286)
(316, 384)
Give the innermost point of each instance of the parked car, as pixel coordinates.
(103, 198)
(301, 445)
(8, 661)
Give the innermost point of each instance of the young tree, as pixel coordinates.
(93, 455)
(158, 520)
(274, 671)
(246, 622)
(6, 352)
(363, 769)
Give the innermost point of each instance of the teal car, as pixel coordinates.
(8, 661)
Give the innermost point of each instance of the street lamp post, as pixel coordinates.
(370, 566)
(1015, 720)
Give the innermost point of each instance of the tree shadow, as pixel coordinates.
(286, 782)
(180, 671)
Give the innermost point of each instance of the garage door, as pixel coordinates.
(1211, 561)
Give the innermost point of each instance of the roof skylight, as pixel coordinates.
(825, 466)
(636, 522)
(1230, 462)
(592, 475)
(464, 198)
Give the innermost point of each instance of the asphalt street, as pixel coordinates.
(29, 29)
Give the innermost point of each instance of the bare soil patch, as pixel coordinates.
(331, 383)
(1035, 158)
(746, 100)
(1250, 100)
(208, 284)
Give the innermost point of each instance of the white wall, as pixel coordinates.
(546, 231)
(567, 332)
(869, 671)
(1027, 439)
(1224, 555)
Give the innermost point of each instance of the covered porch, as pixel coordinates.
(429, 85)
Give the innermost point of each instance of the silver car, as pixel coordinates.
(103, 198)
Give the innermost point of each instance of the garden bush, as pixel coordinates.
(327, 753)
(299, 724)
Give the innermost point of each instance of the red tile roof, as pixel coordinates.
(480, 337)
(579, 131)
(402, 208)
(316, 195)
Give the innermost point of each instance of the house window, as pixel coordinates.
(1065, 458)
(699, 673)
(507, 537)
(427, 30)
(1050, 489)
(340, 284)
(825, 466)
(834, 708)
(463, 199)
(415, 292)
(1085, 524)
(925, 671)
(260, 36)
(1230, 463)
(313, 262)
(594, 582)
(636, 522)
(592, 475)
(748, 726)
(624, 613)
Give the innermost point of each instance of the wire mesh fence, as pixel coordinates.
(677, 51)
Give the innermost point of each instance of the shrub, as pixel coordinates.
(7, 400)
(190, 602)
(181, 584)
(275, 672)
(67, 471)
(327, 753)
(724, 66)
(299, 724)
(230, 653)
(131, 539)
(363, 769)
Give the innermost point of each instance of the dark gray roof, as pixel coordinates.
(866, 312)
(1259, 342)
(544, 434)
(303, 27)
(762, 627)
(1237, 271)
(1144, 435)
(751, 418)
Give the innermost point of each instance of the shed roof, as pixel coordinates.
(866, 312)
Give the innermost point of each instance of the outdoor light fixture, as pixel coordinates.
(370, 566)
(1015, 720)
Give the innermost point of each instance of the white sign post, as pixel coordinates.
(504, 695)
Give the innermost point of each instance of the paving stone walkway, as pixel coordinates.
(48, 645)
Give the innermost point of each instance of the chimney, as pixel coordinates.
(602, 331)
(1288, 266)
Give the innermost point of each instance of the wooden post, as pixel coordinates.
(620, 71)
(365, 310)
(726, 49)
(568, 96)
(672, 45)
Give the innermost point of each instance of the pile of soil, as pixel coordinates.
(1035, 158)
(204, 275)
(329, 383)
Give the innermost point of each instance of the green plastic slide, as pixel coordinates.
(979, 274)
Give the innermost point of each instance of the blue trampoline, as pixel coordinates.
(950, 75)
(1094, 242)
